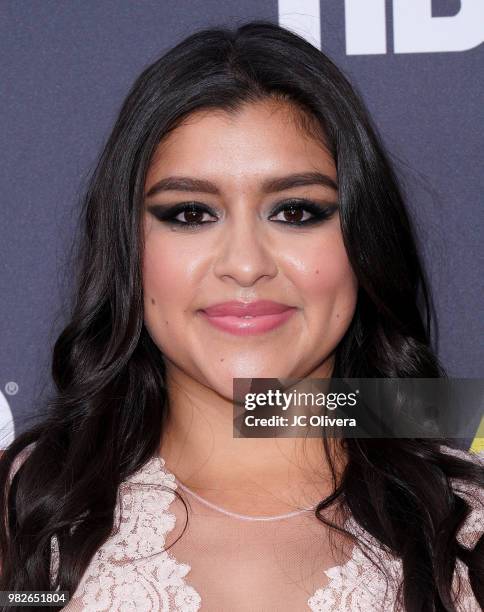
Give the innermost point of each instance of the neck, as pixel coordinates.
(246, 475)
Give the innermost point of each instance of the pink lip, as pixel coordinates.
(231, 316)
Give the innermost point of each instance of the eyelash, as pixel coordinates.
(320, 213)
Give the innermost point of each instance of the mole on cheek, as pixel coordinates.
(317, 271)
(152, 300)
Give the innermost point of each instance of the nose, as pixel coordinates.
(244, 255)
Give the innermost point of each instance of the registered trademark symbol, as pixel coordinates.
(11, 388)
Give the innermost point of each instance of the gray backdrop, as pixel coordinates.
(67, 65)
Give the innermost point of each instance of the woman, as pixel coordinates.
(243, 177)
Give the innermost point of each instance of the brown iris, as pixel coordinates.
(293, 214)
(193, 216)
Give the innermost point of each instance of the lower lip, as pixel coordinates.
(240, 326)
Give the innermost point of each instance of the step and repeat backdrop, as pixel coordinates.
(66, 67)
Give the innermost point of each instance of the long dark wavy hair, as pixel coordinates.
(106, 418)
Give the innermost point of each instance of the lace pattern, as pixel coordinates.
(358, 585)
(132, 571)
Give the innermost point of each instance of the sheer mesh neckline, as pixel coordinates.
(222, 564)
(237, 515)
(346, 571)
(349, 523)
(166, 474)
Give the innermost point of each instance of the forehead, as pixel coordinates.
(258, 139)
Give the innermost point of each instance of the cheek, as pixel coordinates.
(328, 285)
(164, 293)
(160, 274)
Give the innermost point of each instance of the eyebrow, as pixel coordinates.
(271, 185)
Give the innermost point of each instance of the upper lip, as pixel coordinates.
(240, 309)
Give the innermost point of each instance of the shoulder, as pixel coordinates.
(141, 521)
(469, 455)
(473, 494)
(153, 472)
(470, 531)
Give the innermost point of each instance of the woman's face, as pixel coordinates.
(263, 225)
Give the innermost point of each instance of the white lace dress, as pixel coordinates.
(223, 564)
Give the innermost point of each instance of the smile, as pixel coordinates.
(248, 325)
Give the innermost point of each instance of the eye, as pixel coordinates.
(294, 214)
(191, 215)
(185, 214)
(303, 212)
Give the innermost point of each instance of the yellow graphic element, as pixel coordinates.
(478, 443)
